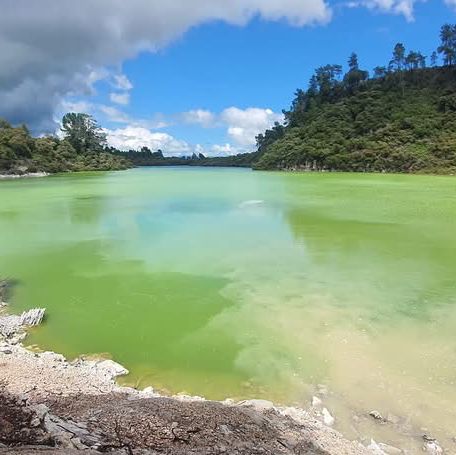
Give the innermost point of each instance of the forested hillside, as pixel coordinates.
(81, 149)
(403, 119)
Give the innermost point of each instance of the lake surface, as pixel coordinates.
(233, 283)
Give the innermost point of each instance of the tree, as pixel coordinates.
(434, 59)
(298, 108)
(312, 90)
(83, 132)
(398, 61)
(415, 60)
(327, 78)
(353, 64)
(355, 76)
(448, 44)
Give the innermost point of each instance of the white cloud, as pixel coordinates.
(50, 48)
(199, 117)
(245, 125)
(400, 7)
(242, 125)
(120, 98)
(132, 137)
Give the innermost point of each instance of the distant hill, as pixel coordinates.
(145, 157)
(401, 120)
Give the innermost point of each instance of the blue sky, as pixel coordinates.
(223, 76)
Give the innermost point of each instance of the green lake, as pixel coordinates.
(234, 283)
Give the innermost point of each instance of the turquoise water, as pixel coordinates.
(223, 282)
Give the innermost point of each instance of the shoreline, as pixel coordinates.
(47, 377)
(41, 377)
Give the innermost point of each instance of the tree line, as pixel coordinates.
(83, 147)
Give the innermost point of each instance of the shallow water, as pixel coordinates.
(222, 282)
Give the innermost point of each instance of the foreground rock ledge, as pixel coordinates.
(122, 423)
(48, 402)
(49, 405)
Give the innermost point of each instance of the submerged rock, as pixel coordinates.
(389, 450)
(432, 448)
(377, 416)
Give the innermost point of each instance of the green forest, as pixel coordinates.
(81, 148)
(402, 119)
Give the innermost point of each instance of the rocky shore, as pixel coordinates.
(23, 176)
(48, 404)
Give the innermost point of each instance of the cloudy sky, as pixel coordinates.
(190, 75)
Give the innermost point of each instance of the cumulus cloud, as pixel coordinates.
(54, 48)
(133, 138)
(245, 124)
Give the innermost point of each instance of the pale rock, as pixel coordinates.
(375, 448)
(41, 410)
(111, 368)
(316, 402)
(260, 405)
(328, 419)
(433, 448)
(149, 392)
